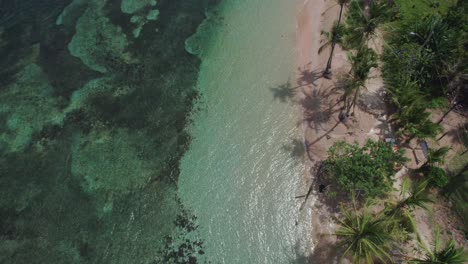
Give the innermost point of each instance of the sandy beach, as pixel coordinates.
(320, 101)
(312, 17)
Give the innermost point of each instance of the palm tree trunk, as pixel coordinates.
(443, 135)
(327, 72)
(446, 113)
(341, 13)
(353, 104)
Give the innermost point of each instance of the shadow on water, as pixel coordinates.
(286, 92)
(296, 148)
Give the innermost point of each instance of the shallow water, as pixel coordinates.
(240, 175)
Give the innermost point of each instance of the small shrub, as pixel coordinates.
(437, 176)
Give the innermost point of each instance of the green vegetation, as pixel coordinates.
(448, 254)
(363, 19)
(411, 196)
(361, 63)
(425, 63)
(333, 37)
(457, 192)
(363, 236)
(414, 10)
(436, 175)
(369, 169)
(424, 67)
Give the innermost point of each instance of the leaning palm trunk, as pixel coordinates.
(353, 103)
(446, 113)
(327, 71)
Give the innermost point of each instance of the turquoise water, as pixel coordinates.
(239, 176)
(143, 131)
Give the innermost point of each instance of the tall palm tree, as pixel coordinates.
(331, 39)
(364, 236)
(448, 254)
(362, 21)
(412, 118)
(334, 37)
(361, 63)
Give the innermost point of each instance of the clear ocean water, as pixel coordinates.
(143, 131)
(239, 176)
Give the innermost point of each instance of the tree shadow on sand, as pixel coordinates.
(308, 76)
(318, 108)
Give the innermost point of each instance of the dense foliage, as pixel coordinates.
(369, 169)
(425, 65)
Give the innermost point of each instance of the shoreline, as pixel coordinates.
(310, 64)
(320, 104)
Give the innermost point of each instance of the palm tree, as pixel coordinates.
(362, 21)
(404, 92)
(412, 118)
(436, 156)
(412, 196)
(364, 236)
(438, 255)
(361, 63)
(414, 122)
(331, 38)
(334, 37)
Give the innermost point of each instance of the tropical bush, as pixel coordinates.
(435, 175)
(368, 169)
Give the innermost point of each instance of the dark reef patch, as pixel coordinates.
(89, 161)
